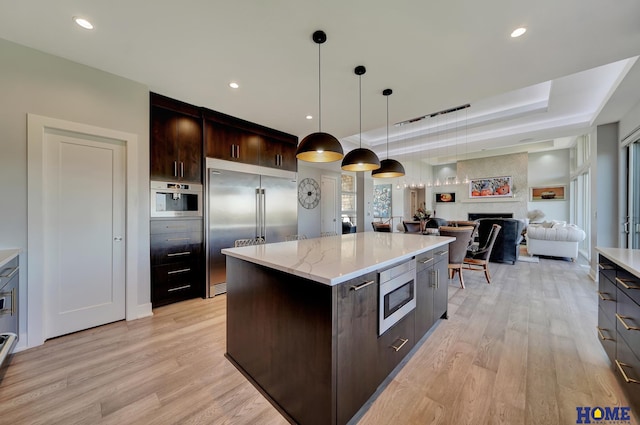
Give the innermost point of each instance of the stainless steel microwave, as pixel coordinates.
(169, 199)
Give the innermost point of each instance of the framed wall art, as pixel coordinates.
(382, 201)
(446, 197)
(549, 193)
(490, 187)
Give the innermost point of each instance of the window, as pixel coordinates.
(349, 197)
(580, 191)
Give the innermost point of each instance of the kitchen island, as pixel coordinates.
(308, 322)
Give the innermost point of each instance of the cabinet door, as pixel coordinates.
(163, 152)
(232, 144)
(189, 149)
(441, 289)
(424, 300)
(278, 154)
(357, 350)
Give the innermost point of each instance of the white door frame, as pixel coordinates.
(37, 126)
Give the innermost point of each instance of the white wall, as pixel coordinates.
(34, 82)
(608, 226)
(309, 221)
(548, 169)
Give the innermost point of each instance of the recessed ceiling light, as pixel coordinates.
(83, 23)
(234, 85)
(518, 32)
(309, 117)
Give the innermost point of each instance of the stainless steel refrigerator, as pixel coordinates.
(244, 205)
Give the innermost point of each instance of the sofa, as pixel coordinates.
(506, 248)
(555, 239)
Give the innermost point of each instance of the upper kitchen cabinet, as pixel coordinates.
(233, 139)
(176, 140)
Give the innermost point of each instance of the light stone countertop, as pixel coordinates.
(628, 259)
(336, 259)
(7, 255)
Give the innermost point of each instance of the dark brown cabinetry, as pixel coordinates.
(432, 289)
(176, 260)
(619, 324)
(176, 141)
(364, 359)
(314, 349)
(233, 139)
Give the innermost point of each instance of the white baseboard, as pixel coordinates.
(143, 310)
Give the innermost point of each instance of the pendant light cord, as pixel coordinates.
(319, 93)
(360, 89)
(387, 127)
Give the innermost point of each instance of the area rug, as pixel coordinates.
(525, 257)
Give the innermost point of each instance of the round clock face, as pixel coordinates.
(309, 193)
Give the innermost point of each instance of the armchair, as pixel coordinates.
(507, 244)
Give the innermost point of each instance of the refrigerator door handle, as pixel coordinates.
(258, 214)
(264, 215)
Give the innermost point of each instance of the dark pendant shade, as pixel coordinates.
(319, 147)
(360, 160)
(388, 168)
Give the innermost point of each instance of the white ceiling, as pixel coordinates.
(536, 91)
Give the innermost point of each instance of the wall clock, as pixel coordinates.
(309, 193)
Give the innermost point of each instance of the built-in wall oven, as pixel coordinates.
(397, 294)
(169, 199)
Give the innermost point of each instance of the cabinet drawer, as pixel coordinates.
(607, 333)
(627, 370)
(174, 282)
(607, 296)
(629, 284)
(441, 254)
(175, 226)
(628, 326)
(424, 260)
(395, 344)
(176, 247)
(606, 267)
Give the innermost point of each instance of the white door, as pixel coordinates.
(84, 227)
(329, 205)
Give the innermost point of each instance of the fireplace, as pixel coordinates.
(476, 216)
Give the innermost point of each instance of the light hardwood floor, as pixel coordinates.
(523, 350)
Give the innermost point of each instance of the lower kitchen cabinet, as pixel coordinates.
(177, 260)
(619, 324)
(432, 289)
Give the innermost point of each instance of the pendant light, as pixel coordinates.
(360, 159)
(388, 167)
(319, 147)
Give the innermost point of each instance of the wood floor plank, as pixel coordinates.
(522, 350)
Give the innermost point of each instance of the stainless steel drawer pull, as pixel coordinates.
(627, 327)
(179, 271)
(603, 298)
(606, 266)
(175, 254)
(624, 282)
(178, 239)
(362, 285)
(179, 288)
(441, 253)
(398, 347)
(602, 337)
(624, 375)
(10, 274)
(428, 260)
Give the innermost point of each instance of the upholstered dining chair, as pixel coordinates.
(380, 227)
(411, 227)
(478, 259)
(457, 248)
